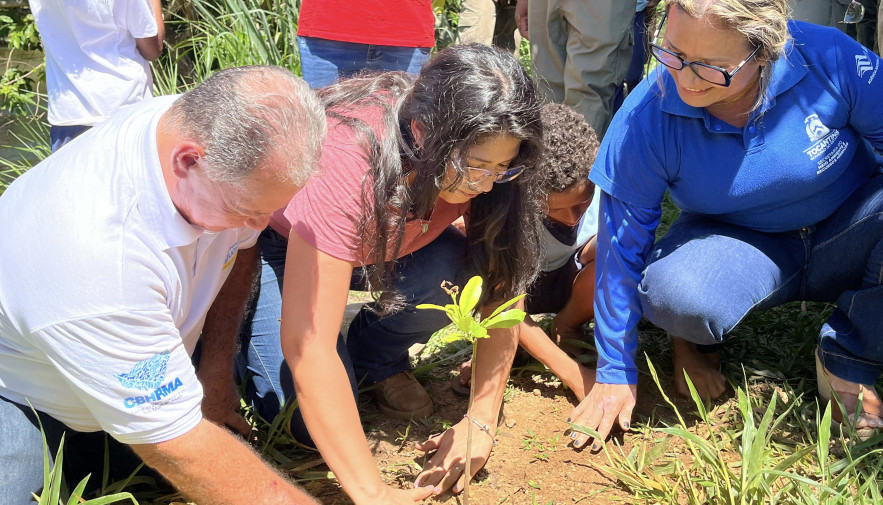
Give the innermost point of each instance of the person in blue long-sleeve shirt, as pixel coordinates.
(764, 132)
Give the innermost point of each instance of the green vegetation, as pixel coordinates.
(471, 326)
(769, 442)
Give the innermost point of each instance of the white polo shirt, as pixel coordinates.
(92, 65)
(104, 287)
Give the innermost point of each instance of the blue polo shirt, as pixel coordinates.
(799, 157)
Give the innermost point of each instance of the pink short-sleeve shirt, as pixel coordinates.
(326, 212)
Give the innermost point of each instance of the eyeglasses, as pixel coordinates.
(855, 12)
(704, 71)
(475, 176)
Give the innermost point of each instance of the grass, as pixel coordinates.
(769, 442)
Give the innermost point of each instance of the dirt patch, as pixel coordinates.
(532, 463)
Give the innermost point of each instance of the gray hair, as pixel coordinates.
(253, 118)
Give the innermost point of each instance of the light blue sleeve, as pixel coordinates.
(625, 237)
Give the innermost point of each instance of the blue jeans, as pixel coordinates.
(323, 62)
(21, 453)
(61, 135)
(705, 276)
(376, 346)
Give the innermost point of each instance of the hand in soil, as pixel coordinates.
(605, 404)
(446, 467)
(394, 496)
(703, 369)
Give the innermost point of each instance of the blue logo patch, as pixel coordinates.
(147, 374)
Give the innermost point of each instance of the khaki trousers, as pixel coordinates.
(581, 50)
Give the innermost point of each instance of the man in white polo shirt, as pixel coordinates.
(121, 251)
(97, 54)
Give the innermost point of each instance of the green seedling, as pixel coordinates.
(470, 325)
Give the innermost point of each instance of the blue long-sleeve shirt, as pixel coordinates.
(798, 158)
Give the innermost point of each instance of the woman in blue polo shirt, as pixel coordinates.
(763, 131)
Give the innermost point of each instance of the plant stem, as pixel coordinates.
(468, 474)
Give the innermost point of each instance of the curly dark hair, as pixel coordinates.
(569, 147)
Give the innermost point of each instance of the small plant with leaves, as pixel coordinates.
(54, 484)
(470, 325)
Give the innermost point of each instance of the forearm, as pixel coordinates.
(625, 238)
(332, 418)
(212, 467)
(492, 363)
(223, 323)
(535, 341)
(151, 47)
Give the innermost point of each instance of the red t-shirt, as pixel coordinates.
(326, 212)
(405, 23)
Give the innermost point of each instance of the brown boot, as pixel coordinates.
(402, 397)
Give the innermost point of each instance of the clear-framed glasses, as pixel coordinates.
(855, 12)
(475, 176)
(704, 71)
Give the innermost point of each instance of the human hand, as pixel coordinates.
(521, 17)
(448, 465)
(604, 404)
(220, 404)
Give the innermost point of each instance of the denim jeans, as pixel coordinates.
(21, 453)
(323, 62)
(705, 276)
(61, 135)
(376, 346)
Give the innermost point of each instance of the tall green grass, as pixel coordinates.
(759, 449)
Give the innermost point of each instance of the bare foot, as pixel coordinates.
(871, 416)
(703, 369)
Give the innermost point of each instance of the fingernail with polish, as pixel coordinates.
(595, 447)
(573, 435)
(569, 420)
(626, 425)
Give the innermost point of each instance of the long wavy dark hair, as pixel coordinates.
(465, 95)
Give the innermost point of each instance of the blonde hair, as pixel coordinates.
(763, 23)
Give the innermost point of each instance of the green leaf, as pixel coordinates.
(470, 295)
(104, 500)
(507, 319)
(78, 491)
(477, 330)
(506, 304)
(432, 306)
(464, 324)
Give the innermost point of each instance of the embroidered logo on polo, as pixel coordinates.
(814, 128)
(826, 147)
(864, 64)
(231, 255)
(150, 375)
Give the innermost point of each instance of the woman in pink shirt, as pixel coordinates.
(403, 159)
